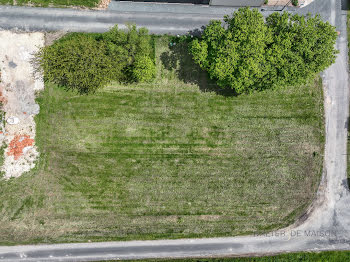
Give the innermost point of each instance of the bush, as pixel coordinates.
(78, 63)
(295, 2)
(248, 53)
(144, 69)
(87, 62)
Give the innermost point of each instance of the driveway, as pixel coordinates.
(325, 226)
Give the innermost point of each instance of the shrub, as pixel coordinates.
(78, 63)
(247, 53)
(295, 2)
(124, 47)
(87, 62)
(144, 69)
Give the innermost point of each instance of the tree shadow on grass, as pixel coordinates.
(179, 60)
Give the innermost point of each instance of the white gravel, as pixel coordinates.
(18, 88)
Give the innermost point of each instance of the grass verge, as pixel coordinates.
(292, 257)
(167, 160)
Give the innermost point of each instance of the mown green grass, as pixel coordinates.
(166, 160)
(57, 3)
(334, 256)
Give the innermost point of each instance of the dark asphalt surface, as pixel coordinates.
(52, 19)
(159, 21)
(326, 225)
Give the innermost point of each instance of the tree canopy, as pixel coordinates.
(78, 63)
(248, 53)
(87, 62)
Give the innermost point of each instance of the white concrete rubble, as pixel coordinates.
(18, 87)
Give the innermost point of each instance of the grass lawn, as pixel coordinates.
(334, 256)
(58, 3)
(166, 160)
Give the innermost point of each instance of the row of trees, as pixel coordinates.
(248, 53)
(87, 62)
(245, 53)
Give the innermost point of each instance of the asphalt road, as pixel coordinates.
(51, 19)
(157, 18)
(326, 225)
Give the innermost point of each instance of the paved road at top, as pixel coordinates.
(99, 21)
(159, 20)
(326, 226)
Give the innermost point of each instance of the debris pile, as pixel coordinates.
(3, 99)
(17, 96)
(18, 144)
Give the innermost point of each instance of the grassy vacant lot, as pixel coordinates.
(45, 3)
(166, 160)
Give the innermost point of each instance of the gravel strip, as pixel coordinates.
(17, 88)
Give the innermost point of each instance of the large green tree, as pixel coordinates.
(234, 55)
(248, 53)
(302, 47)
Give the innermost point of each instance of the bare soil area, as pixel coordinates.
(17, 89)
(104, 4)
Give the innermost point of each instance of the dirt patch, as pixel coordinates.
(103, 4)
(3, 99)
(17, 95)
(18, 145)
(51, 37)
(210, 217)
